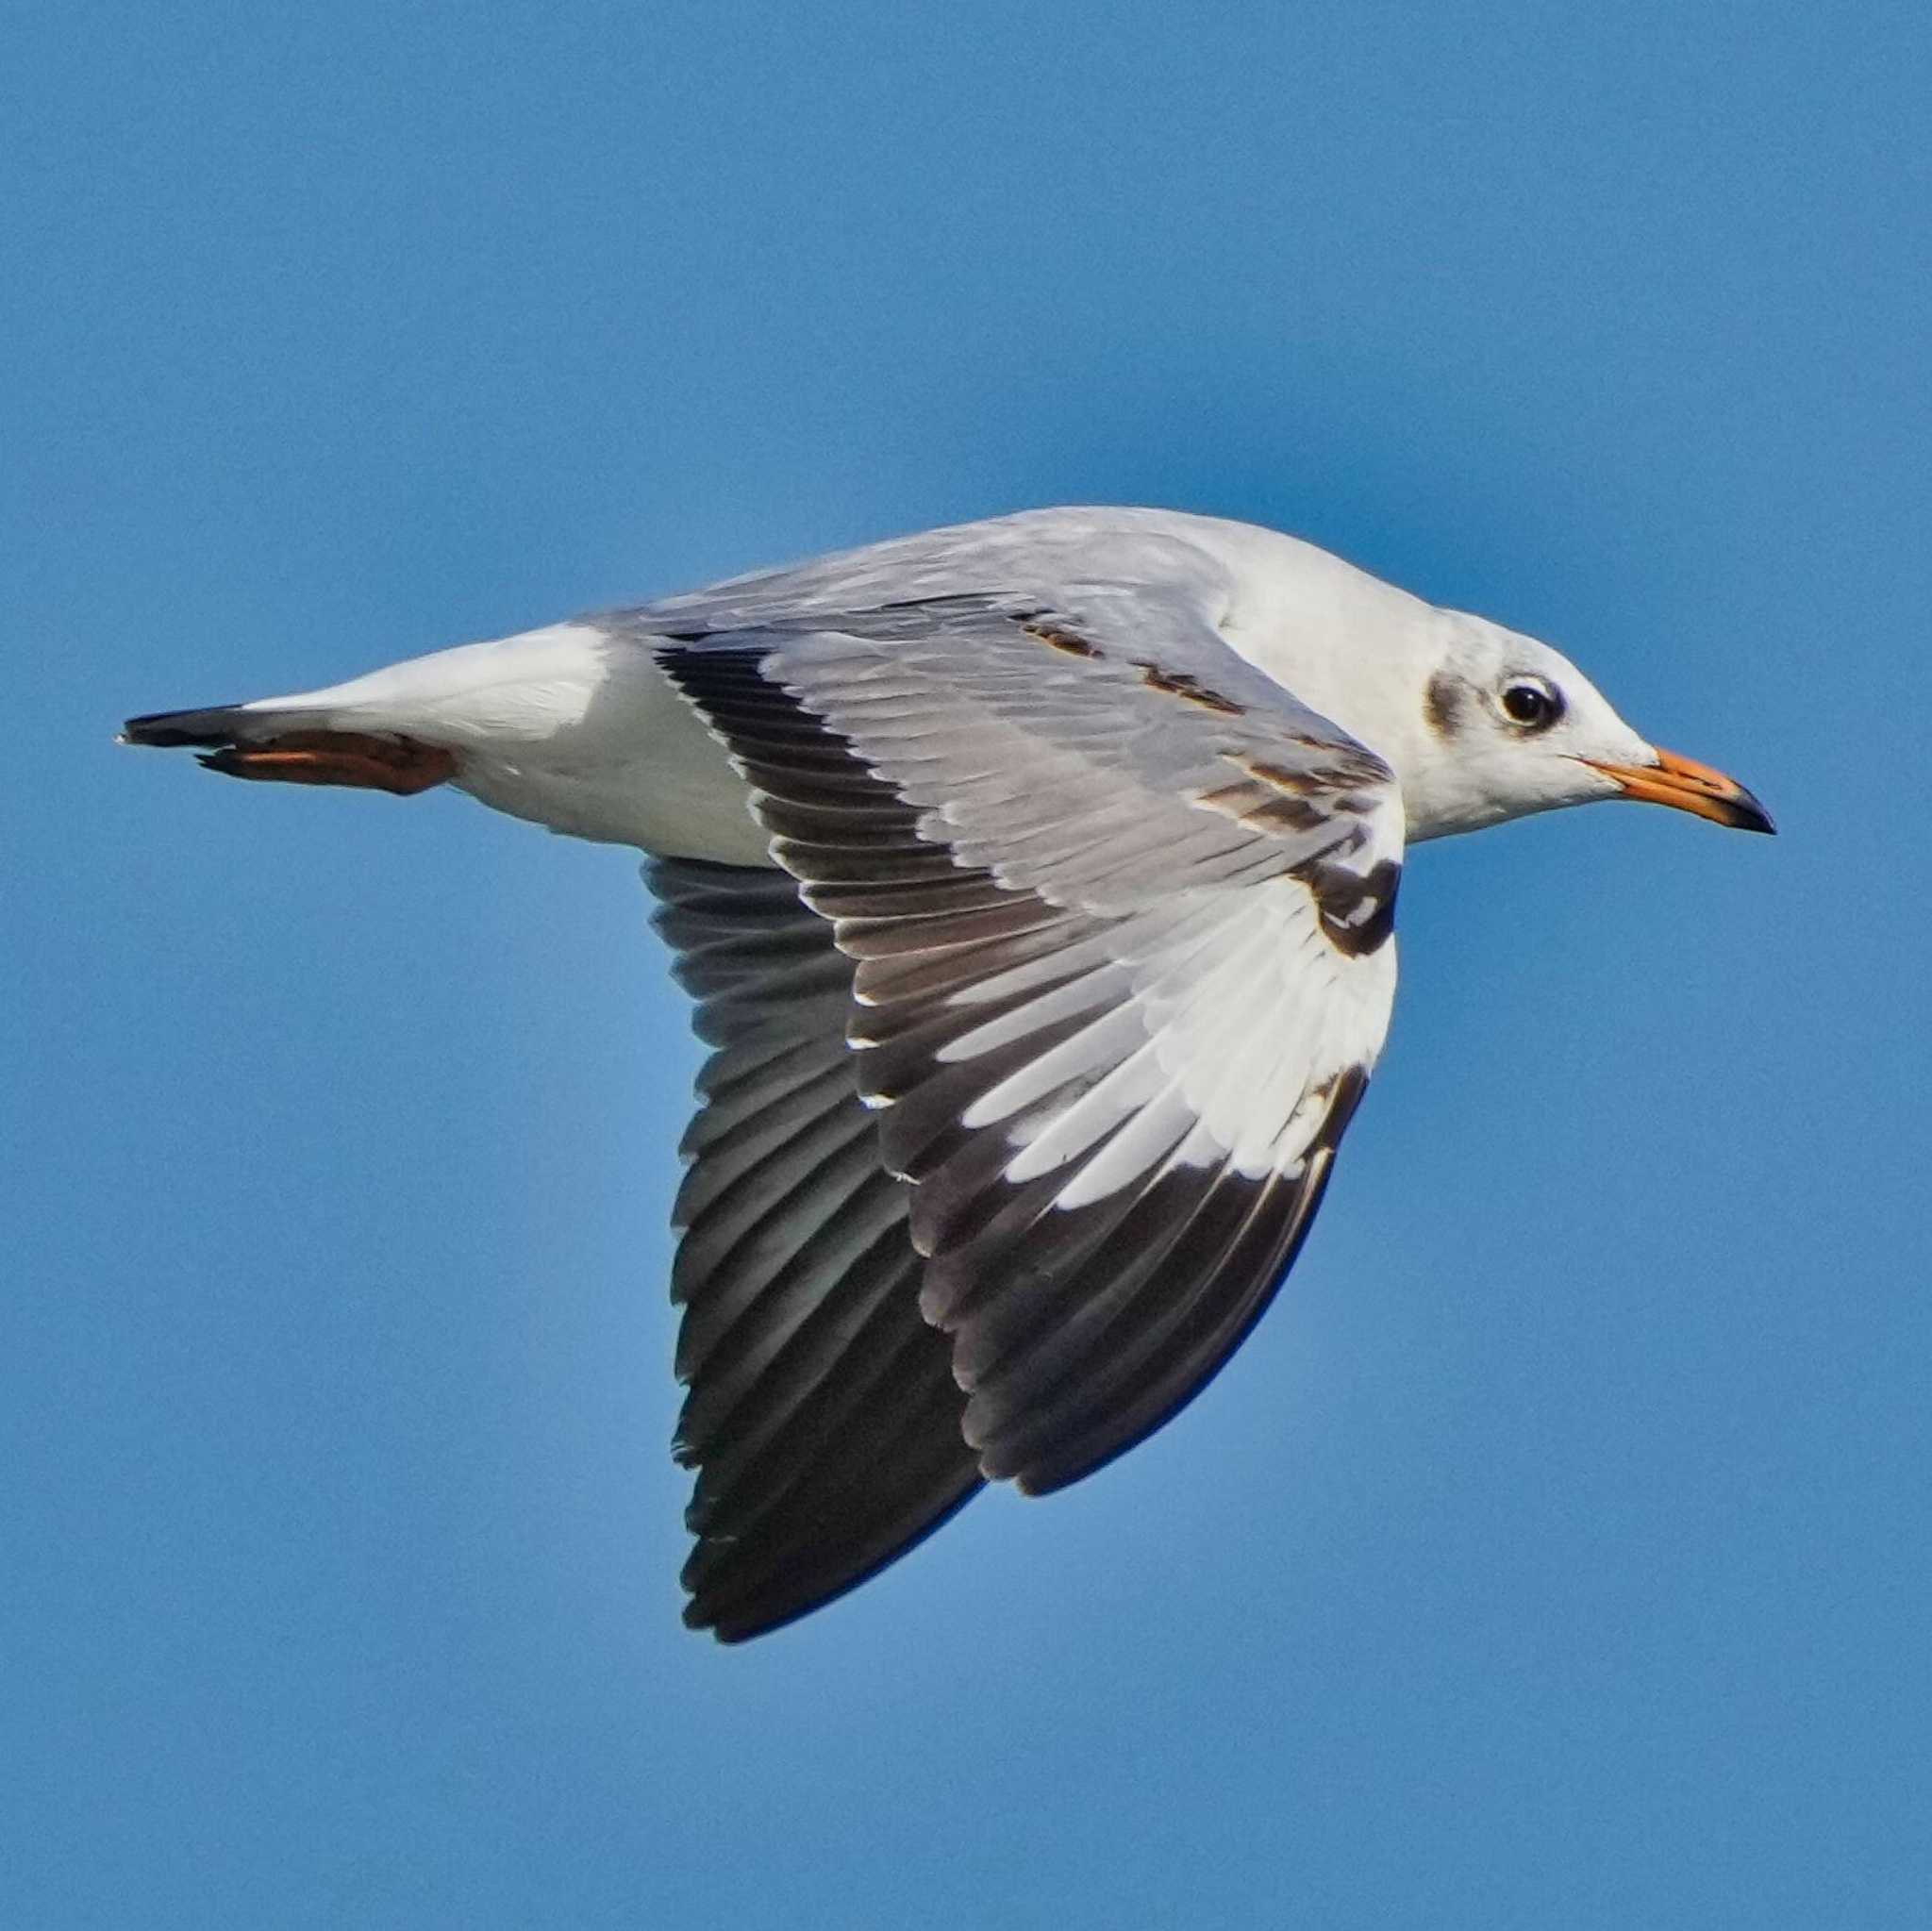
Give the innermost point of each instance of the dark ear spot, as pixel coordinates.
(1441, 702)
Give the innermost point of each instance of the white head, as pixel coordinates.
(1504, 725)
(1479, 723)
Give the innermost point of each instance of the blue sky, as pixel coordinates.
(1555, 1554)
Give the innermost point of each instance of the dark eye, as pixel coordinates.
(1531, 703)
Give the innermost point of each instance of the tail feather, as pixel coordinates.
(210, 730)
(245, 741)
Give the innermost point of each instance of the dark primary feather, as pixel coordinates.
(823, 1417)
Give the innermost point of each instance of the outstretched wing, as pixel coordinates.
(1120, 910)
(823, 1417)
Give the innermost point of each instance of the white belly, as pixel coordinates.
(634, 766)
(566, 726)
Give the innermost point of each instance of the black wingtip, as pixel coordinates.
(789, 1593)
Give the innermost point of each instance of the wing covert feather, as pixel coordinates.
(1120, 917)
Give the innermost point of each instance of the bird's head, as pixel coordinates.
(1504, 725)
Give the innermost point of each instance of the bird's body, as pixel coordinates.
(576, 726)
(1036, 880)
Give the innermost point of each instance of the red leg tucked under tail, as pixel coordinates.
(399, 765)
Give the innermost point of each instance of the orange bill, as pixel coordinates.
(1691, 787)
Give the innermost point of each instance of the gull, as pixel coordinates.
(1035, 881)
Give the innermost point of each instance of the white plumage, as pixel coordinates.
(1036, 881)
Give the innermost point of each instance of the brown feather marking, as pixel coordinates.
(1357, 912)
(1256, 804)
(1183, 684)
(1065, 640)
(1278, 776)
(1343, 770)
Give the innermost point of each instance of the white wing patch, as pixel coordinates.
(1239, 1028)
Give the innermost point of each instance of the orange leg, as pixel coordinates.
(399, 765)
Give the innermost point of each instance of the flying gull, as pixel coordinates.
(1035, 881)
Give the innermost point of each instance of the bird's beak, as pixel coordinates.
(1691, 787)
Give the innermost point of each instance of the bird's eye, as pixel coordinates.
(1531, 701)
